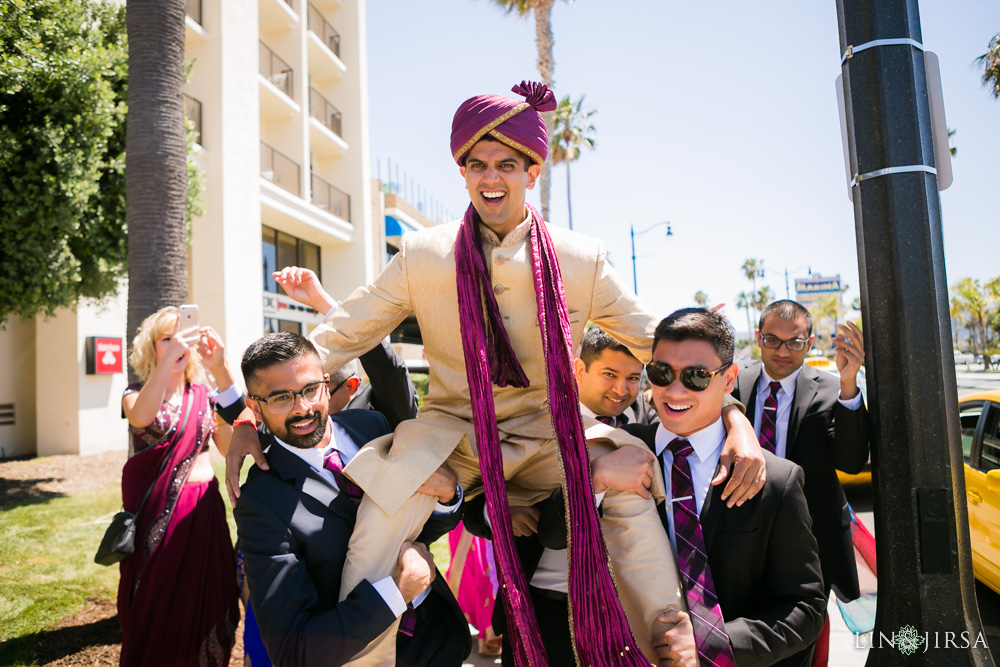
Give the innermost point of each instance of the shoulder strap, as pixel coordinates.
(166, 456)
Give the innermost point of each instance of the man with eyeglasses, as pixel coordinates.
(818, 421)
(751, 574)
(295, 520)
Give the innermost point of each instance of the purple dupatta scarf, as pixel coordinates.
(600, 628)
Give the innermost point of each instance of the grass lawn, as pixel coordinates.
(47, 551)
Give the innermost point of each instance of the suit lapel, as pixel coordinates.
(748, 389)
(806, 387)
(711, 511)
(305, 479)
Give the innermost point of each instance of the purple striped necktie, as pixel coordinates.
(334, 464)
(610, 421)
(769, 418)
(703, 604)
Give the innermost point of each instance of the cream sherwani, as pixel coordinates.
(421, 279)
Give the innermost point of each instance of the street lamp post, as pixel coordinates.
(633, 234)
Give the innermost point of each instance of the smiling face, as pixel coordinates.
(782, 362)
(497, 180)
(682, 410)
(304, 426)
(611, 383)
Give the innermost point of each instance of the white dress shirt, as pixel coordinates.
(703, 461)
(785, 396)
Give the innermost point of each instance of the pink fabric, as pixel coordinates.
(477, 592)
(600, 627)
(526, 127)
(177, 597)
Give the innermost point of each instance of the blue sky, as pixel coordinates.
(720, 117)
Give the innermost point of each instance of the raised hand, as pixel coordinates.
(303, 285)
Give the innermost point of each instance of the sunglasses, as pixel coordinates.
(695, 379)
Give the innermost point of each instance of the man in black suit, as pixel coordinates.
(295, 519)
(820, 423)
(758, 560)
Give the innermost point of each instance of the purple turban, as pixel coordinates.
(517, 124)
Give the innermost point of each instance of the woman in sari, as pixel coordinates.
(177, 599)
(472, 578)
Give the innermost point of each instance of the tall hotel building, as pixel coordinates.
(278, 94)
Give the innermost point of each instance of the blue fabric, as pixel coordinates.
(253, 645)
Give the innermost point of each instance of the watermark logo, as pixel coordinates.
(908, 640)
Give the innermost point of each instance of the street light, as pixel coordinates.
(633, 234)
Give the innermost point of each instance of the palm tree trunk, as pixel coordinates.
(569, 198)
(546, 66)
(155, 159)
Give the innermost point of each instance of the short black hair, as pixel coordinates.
(489, 137)
(698, 324)
(274, 348)
(595, 342)
(786, 309)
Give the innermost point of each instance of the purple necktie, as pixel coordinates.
(768, 419)
(703, 604)
(334, 464)
(610, 421)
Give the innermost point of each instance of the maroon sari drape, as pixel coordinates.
(177, 598)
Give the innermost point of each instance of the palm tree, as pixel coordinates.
(990, 63)
(970, 297)
(826, 309)
(762, 297)
(572, 133)
(544, 40)
(751, 268)
(155, 159)
(744, 300)
(701, 298)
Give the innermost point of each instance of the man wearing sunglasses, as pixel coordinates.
(751, 574)
(818, 421)
(295, 520)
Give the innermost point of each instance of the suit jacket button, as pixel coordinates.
(500, 259)
(499, 289)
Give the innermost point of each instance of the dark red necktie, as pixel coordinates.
(334, 464)
(768, 420)
(692, 560)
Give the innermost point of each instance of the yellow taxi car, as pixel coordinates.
(980, 417)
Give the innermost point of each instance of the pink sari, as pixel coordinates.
(177, 599)
(472, 577)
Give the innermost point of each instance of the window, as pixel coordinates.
(274, 325)
(281, 250)
(989, 458)
(969, 417)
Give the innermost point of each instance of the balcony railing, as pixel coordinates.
(276, 70)
(319, 25)
(331, 199)
(192, 111)
(321, 109)
(279, 169)
(194, 10)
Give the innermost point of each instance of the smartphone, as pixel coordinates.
(189, 316)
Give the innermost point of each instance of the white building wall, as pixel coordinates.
(17, 388)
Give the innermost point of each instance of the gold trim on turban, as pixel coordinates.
(517, 146)
(492, 124)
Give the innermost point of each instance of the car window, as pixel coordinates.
(989, 459)
(969, 416)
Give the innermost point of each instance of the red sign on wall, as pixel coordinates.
(105, 355)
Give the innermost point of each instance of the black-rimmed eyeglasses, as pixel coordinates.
(793, 344)
(283, 401)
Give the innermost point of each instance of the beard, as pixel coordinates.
(309, 440)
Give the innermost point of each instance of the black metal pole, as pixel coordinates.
(924, 561)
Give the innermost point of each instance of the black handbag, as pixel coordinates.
(119, 539)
